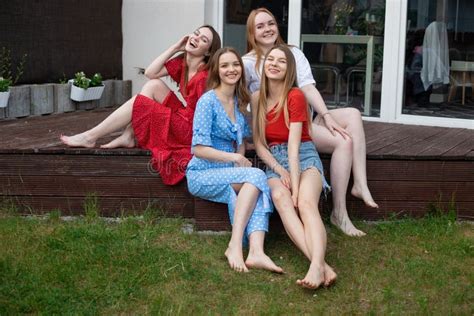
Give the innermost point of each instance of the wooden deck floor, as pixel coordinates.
(409, 168)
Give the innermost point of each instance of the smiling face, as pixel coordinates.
(275, 65)
(199, 42)
(266, 30)
(230, 69)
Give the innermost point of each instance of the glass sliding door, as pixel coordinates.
(439, 59)
(343, 40)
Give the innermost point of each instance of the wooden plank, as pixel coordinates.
(462, 149)
(414, 170)
(76, 165)
(109, 206)
(384, 140)
(417, 137)
(418, 149)
(444, 144)
(382, 134)
(371, 129)
(422, 191)
(80, 186)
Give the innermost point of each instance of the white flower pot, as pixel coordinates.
(4, 98)
(80, 94)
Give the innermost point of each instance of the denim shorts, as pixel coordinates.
(309, 158)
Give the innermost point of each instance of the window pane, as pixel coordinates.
(343, 40)
(439, 59)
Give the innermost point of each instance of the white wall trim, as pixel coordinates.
(391, 61)
(294, 22)
(214, 15)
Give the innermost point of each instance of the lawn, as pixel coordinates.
(149, 266)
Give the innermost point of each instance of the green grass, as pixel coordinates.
(149, 266)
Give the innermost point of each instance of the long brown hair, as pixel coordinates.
(215, 45)
(251, 42)
(289, 82)
(214, 81)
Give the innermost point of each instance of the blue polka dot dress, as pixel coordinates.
(211, 180)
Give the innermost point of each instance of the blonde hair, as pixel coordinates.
(289, 82)
(251, 42)
(214, 81)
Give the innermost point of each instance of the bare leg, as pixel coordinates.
(126, 140)
(120, 118)
(352, 121)
(340, 170)
(246, 200)
(281, 197)
(115, 121)
(315, 232)
(257, 259)
(294, 227)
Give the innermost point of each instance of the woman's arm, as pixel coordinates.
(210, 153)
(156, 69)
(294, 142)
(315, 99)
(241, 149)
(263, 151)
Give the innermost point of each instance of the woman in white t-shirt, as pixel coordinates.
(338, 131)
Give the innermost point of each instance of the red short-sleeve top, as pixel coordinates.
(276, 131)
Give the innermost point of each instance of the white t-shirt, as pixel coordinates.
(304, 76)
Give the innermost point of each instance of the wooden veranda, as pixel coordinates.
(410, 168)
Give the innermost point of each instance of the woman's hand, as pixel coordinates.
(180, 45)
(285, 178)
(334, 127)
(240, 161)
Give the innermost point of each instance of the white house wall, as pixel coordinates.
(151, 26)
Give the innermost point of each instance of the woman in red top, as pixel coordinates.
(159, 121)
(294, 170)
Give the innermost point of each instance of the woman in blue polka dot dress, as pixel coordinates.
(220, 172)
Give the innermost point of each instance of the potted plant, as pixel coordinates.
(4, 91)
(6, 78)
(85, 89)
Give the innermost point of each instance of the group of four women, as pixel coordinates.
(204, 139)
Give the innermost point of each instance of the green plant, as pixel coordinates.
(91, 207)
(341, 17)
(6, 74)
(4, 84)
(63, 79)
(83, 82)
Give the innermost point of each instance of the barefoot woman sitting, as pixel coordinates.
(219, 170)
(156, 117)
(281, 126)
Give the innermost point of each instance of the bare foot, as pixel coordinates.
(329, 275)
(123, 141)
(346, 225)
(78, 140)
(235, 259)
(262, 261)
(314, 277)
(364, 195)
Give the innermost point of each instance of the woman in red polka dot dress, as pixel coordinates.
(155, 117)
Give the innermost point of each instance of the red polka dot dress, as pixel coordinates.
(166, 128)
